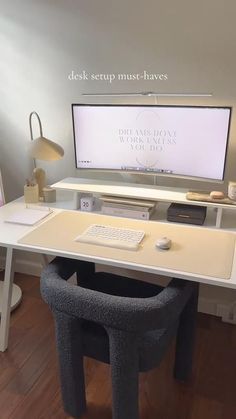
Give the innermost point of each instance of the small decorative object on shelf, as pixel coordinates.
(207, 197)
(31, 192)
(87, 203)
(190, 214)
(49, 194)
(217, 195)
(232, 190)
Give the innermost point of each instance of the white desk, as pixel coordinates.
(11, 234)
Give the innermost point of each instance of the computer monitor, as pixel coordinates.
(185, 141)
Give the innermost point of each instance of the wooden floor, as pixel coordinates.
(29, 385)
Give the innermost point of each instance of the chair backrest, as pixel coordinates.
(125, 313)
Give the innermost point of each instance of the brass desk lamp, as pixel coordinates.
(42, 148)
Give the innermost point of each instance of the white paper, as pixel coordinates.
(28, 216)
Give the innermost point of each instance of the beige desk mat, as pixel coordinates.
(195, 250)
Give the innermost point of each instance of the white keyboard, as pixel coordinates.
(103, 235)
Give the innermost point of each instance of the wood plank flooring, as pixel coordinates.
(29, 385)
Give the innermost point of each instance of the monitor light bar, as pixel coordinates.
(155, 94)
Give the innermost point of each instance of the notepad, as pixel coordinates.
(28, 216)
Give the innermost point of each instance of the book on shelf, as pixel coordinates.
(128, 212)
(127, 201)
(120, 202)
(127, 206)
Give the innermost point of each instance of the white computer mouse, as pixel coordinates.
(163, 243)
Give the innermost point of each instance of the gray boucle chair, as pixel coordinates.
(120, 321)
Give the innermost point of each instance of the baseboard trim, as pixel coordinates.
(28, 267)
(24, 266)
(207, 305)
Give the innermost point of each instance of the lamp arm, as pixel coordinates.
(30, 125)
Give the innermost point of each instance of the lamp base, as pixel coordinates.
(40, 177)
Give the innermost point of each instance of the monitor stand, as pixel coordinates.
(138, 191)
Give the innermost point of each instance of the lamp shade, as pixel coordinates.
(43, 149)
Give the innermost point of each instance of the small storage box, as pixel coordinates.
(189, 214)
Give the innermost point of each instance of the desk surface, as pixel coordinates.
(194, 250)
(214, 263)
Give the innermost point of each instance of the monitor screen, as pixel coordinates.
(170, 140)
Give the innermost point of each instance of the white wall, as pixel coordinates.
(42, 41)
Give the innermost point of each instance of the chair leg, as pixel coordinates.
(71, 364)
(185, 338)
(124, 373)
